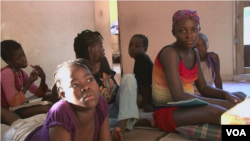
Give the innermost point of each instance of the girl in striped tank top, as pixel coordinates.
(176, 68)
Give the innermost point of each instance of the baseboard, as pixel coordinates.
(236, 77)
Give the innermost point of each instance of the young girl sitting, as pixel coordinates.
(176, 68)
(210, 63)
(15, 82)
(123, 110)
(143, 67)
(81, 114)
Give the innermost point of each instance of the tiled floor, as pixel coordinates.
(234, 86)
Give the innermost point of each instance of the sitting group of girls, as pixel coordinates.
(87, 101)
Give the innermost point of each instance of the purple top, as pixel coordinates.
(61, 113)
(211, 62)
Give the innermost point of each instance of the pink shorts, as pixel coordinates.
(164, 119)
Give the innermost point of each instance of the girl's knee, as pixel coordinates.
(128, 78)
(215, 111)
(240, 95)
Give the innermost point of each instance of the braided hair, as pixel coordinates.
(68, 64)
(7, 48)
(85, 39)
(144, 39)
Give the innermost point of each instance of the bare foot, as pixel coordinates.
(117, 135)
(149, 122)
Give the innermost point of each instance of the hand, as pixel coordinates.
(39, 71)
(232, 98)
(33, 76)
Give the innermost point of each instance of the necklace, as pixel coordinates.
(21, 84)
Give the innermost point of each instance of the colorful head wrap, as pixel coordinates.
(178, 15)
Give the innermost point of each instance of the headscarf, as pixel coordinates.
(180, 14)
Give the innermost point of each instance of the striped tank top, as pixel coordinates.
(160, 90)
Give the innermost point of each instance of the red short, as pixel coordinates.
(164, 119)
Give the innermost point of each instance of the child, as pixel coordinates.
(210, 63)
(15, 82)
(81, 114)
(142, 68)
(175, 69)
(123, 110)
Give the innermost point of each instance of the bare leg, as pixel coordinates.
(145, 122)
(198, 115)
(146, 97)
(122, 124)
(8, 117)
(34, 110)
(139, 101)
(52, 97)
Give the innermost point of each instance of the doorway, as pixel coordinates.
(115, 46)
(243, 34)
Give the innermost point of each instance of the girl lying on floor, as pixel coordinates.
(81, 114)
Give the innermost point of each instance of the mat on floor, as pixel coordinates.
(152, 135)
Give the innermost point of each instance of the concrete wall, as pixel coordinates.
(46, 30)
(154, 19)
(102, 24)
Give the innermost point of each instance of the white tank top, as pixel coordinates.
(207, 72)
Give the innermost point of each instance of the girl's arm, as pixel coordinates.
(14, 97)
(104, 132)
(204, 89)
(170, 60)
(59, 133)
(43, 88)
(28, 81)
(42, 75)
(217, 80)
(211, 92)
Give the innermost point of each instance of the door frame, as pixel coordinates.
(240, 69)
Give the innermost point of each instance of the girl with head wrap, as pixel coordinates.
(176, 68)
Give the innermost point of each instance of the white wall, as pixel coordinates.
(46, 29)
(155, 19)
(102, 24)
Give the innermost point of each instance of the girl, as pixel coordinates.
(121, 99)
(81, 114)
(210, 63)
(143, 67)
(15, 82)
(175, 69)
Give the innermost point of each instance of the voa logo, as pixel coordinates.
(236, 132)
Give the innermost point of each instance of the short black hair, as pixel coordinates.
(144, 39)
(85, 39)
(71, 63)
(7, 48)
